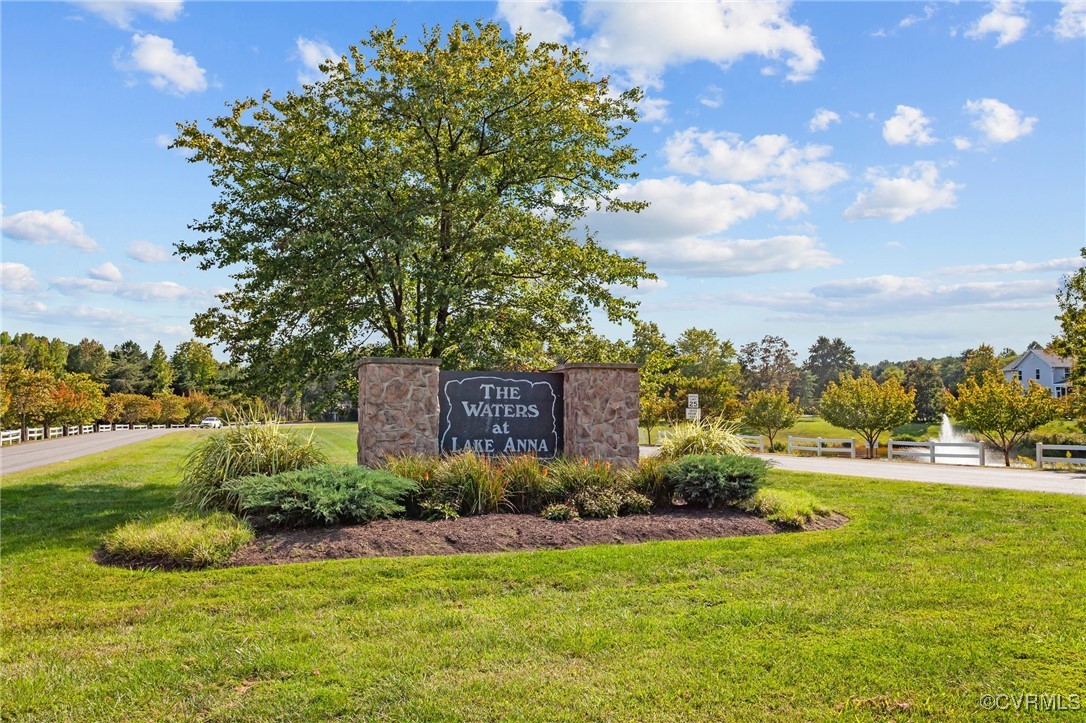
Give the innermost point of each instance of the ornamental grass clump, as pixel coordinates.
(177, 541)
(324, 495)
(648, 479)
(529, 484)
(573, 475)
(716, 480)
(261, 447)
(703, 436)
(470, 483)
(790, 507)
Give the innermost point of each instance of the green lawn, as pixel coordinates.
(930, 598)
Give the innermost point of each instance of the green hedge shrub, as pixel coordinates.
(325, 495)
(178, 541)
(233, 452)
(715, 480)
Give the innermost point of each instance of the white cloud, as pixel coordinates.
(908, 125)
(681, 210)
(773, 160)
(543, 19)
(1071, 263)
(654, 110)
(106, 272)
(962, 144)
(147, 252)
(1007, 19)
(713, 97)
(17, 278)
(707, 257)
(822, 119)
(887, 295)
(682, 230)
(311, 53)
(121, 13)
(910, 20)
(168, 69)
(998, 121)
(644, 39)
(107, 279)
(42, 228)
(1072, 21)
(917, 189)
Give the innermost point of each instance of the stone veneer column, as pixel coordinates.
(397, 407)
(601, 411)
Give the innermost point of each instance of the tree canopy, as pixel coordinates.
(1000, 411)
(866, 406)
(428, 202)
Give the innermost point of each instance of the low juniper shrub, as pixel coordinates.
(324, 495)
(712, 480)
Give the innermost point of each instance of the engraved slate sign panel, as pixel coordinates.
(495, 413)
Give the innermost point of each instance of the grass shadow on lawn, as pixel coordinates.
(50, 515)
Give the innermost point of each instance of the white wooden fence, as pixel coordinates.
(1066, 458)
(33, 434)
(920, 451)
(753, 441)
(822, 445)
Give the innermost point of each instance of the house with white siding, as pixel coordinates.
(1046, 369)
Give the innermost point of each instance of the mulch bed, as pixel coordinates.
(503, 533)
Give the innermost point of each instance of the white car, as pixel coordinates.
(211, 422)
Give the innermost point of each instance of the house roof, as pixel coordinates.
(1051, 360)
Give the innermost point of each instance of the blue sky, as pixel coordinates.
(910, 177)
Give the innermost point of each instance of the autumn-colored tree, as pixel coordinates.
(769, 411)
(31, 395)
(999, 411)
(197, 406)
(77, 399)
(864, 406)
(132, 408)
(171, 408)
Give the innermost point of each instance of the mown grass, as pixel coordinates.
(929, 598)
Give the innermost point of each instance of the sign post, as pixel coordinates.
(693, 407)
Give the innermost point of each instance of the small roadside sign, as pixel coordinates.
(691, 401)
(693, 414)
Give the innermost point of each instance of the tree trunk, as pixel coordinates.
(1007, 456)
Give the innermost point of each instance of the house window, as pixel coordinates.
(1037, 374)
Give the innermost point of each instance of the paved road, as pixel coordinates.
(18, 457)
(1028, 480)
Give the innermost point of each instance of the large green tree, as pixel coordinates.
(769, 364)
(828, 359)
(923, 378)
(194, 367)
(129, 369)
(162, 373)
(431, 198)
(89, 357)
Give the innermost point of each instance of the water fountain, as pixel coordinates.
(948, 436)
